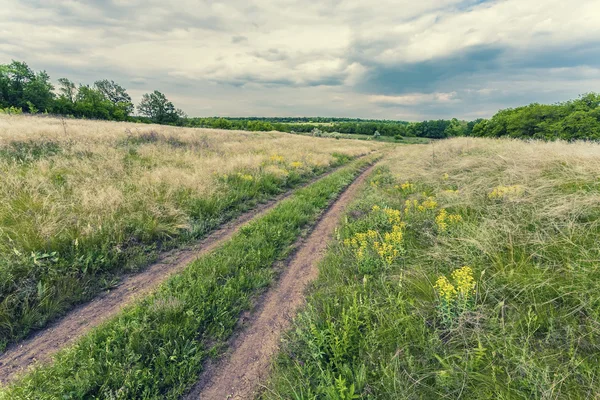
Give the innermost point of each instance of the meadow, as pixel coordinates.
(469, 270)
(82, 202)
(465, 268)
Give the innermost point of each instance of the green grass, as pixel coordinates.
(156, 348)
(375, 331)
(29, 151)
(39, 285)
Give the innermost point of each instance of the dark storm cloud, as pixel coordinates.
(427, 76)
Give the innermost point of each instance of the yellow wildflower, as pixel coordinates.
(296, 164)
(407, 187)
(393, 215)
(445, 289)
(440, 220)
(455, 218)
(465, 283)
(506, 192)
(428, 204)
(277, 158)
(246, 177)
(443, 219)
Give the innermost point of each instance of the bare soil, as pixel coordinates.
(42, 345)
(239, 373)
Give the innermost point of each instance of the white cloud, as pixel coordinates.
(412, 99)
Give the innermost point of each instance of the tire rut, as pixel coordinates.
(238, 374)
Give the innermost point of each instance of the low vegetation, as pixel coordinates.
(82, 202)
(156, 348)
(469, 272)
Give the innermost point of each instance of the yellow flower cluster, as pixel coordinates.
(443, 219)
(445, 289)
(427, 204)
(408, 205)
(465, 283)
(375, 183)
(277, 158)
(390, 247)
(296, 164)
(386, 251)
(450, 191)
(246, 177)
(462, 289)
(395, 236)
(445, 176)
(405, 187)
(501, 192)
(360, 242)
(394, 216)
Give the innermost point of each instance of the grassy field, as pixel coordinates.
(471, 271)
(156, 348)
(84, 201)
(357, 136)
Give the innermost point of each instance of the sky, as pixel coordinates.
(390, 59)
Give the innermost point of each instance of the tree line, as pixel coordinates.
(571, 120)
(435, 129)
(22, 89)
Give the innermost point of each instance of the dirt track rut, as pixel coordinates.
(239, 373)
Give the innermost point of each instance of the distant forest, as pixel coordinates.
(24, 90)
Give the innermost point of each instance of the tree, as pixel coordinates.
(38, 93)
(21, 87)
(92, 103)
(456, 128)
(116, 94)
(67, 89)
(158, 108)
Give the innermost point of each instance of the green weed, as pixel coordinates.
(29, 151)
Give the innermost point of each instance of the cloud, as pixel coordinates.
(238, 39)
(400, 59)
(413, 98)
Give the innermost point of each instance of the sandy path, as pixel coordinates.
(42, 345)
(238, 375)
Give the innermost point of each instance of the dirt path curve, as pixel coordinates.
(238, 375)
(44, 344)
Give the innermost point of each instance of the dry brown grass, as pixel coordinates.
(99, 175)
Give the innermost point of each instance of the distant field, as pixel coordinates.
(469, 270)
(82, 201)
(358, 136)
